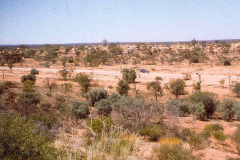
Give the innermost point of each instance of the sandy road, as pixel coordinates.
(114, 75)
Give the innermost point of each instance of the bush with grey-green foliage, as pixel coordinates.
(95, 95)
(80, 109)
(178, 107)
(198, 110)
(104, 107)
(138, 112)
(129, 75)
(20, 139)
(208, 99)
(236, 89)
(228, 108)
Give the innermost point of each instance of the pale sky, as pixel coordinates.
(87, 21)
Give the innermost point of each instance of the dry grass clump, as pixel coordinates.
(111, 145)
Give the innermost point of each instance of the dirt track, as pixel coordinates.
(114, 75)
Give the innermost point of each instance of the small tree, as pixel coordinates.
(129, 75)
(193, 42)
(64, 61)
(11, 59)
(123, 87)
(203, 44)
(84, 81)
(177, 87)
(236, 89)
(155, 87)
(95, 95)
(104, 107)
(50, 83)
(104, 42)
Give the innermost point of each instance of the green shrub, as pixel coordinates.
(123, 87)
(30, 77)
(49, 94)
(213, 127)
(205, 134)
(177, 87)
(110, 87)
(195, 141)
(154, 132)
(95, 95)
(236, 89)
(34, 71)
(45, 119)
(80, 109)
(198, 110)
(228, 108)
(98, 125)
(8, 84)
(28, 86)
(186, 132)
(84, 81)
(104, 107)
(19, 139)
(128, 75)
(207, 99)
(178, 106)
(171, 152)
(219, 135)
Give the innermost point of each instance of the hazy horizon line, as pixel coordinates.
(98, 43)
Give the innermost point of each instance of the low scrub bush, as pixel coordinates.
(80, 109)
(219, 135)
(198, 109)
(104, 107)
(170, 141)
(213, 127)
(178, 106)
(99, 125)
(170, 152)
(154, 132)
(95, 95)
